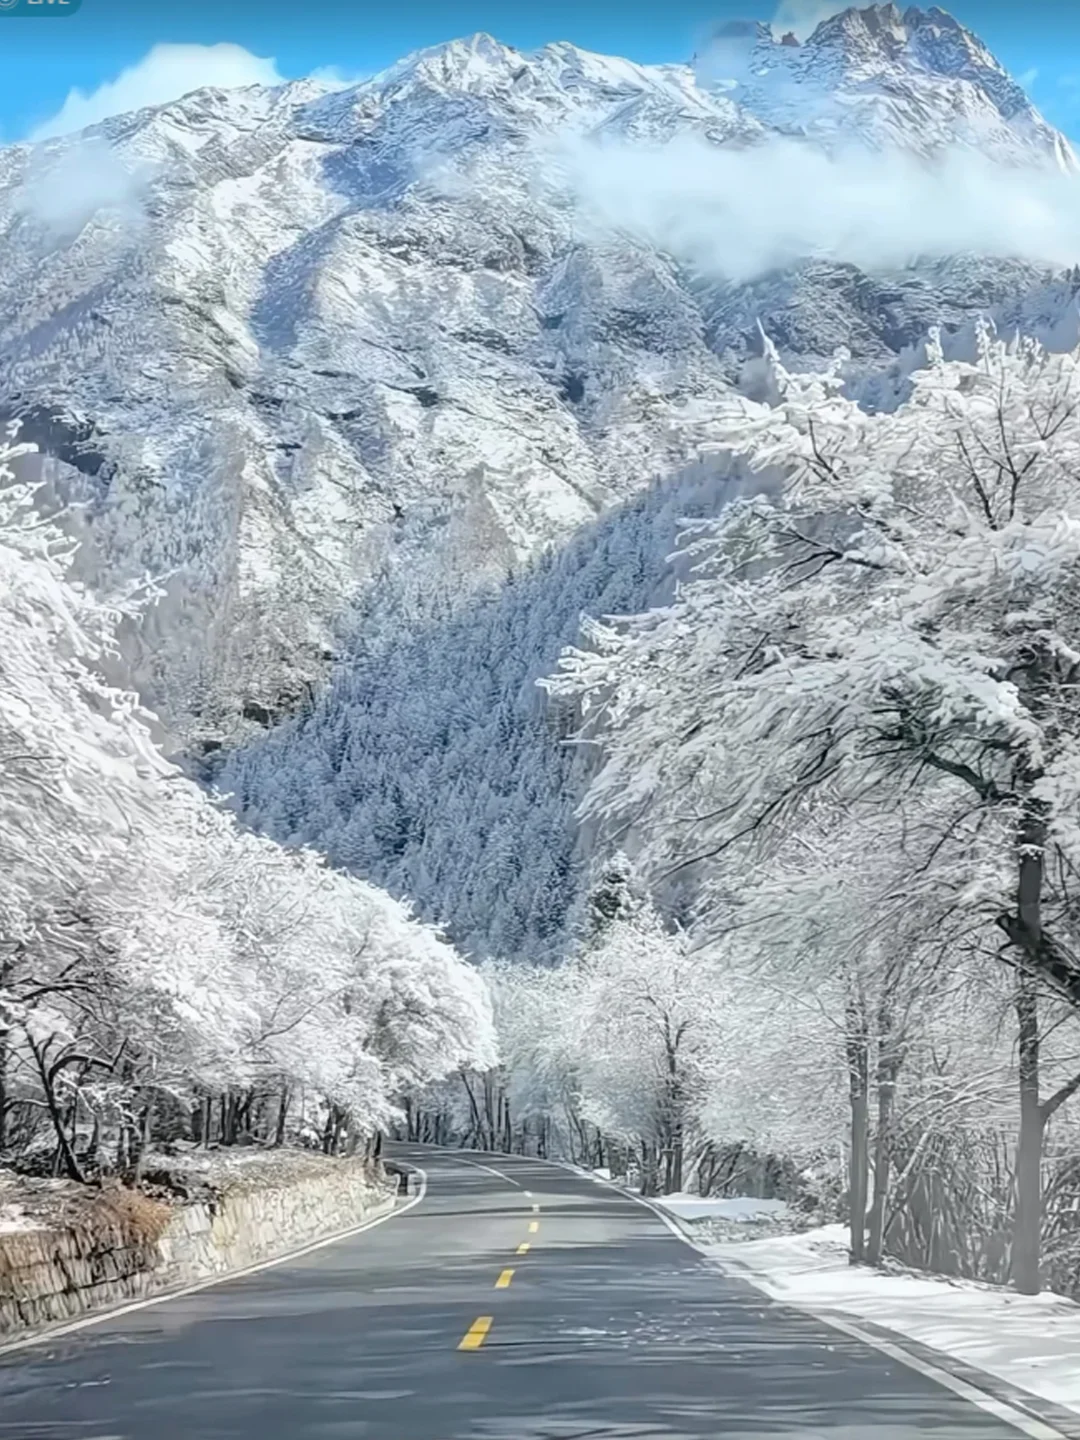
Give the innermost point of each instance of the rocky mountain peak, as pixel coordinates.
(475, 63)
(930, 42)
(881, 78)
(876, 30)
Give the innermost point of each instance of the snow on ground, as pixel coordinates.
(1032, 1342)
(31, 1203)
(236, 1167)
(732, 1207)
(716, 1218)
(218, 1162)
(13, 1219)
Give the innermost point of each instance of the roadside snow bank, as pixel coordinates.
(737, 1218)
(1032, 1342)
(713, 1207)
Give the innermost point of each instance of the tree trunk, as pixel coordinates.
(123, 1149)
(673, 1177)
(65, 1153)
(858, 1086)
(649, 1176)
(1028, 935)
(144, 1138)
(474, 1109)
(3, 1090)
(282, 1116)
(579, 1154)
(888, 1067)
(673, 1107)
(1027, 1234)
(598, 1151)
(886, 1091)
(242, 1116)
(352, 1136)
(6, 967)
(93, 1149)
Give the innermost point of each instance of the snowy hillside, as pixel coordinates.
(294, 339)
(432, 764)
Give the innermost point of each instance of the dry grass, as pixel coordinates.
(140, 1219)
(113, 1216)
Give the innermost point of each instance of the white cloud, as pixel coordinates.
(738, 213)
(336, 78)
(63, 193)
(165, 73)
(802, 17)
(1028, 77)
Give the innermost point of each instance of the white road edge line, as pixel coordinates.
(1026, 1424)
(114, 1314)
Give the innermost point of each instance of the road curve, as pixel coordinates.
(437, 1325)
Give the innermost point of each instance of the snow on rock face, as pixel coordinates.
(312, 333)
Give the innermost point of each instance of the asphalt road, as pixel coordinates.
(606, 1328)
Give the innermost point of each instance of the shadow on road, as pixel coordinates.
(611, 1329)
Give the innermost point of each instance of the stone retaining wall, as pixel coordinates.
(129, 1246)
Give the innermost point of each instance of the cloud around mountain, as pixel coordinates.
(165, 73)
(739, 213)
(802, 17)
(64, 194)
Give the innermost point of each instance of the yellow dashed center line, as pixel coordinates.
(476, 1333)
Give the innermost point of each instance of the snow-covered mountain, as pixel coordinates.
(916, 79)
(294, 339)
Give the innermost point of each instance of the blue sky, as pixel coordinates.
(46, 57)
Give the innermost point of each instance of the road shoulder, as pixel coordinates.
(1041, 1417)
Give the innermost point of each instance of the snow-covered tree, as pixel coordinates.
(888, 635)
(646, 1021)
(153, 955)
